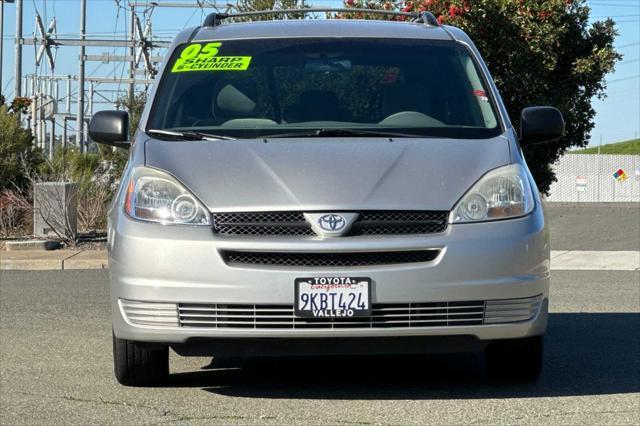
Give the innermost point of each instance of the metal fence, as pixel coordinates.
(596, 178)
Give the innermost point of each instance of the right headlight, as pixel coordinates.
(155, 196)
(502, 193)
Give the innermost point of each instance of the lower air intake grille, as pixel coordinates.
(151, 314)
(319, 260)
(412, 315)
(439, 314)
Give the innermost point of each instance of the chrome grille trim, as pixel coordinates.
(282, 316)
(512, 310)
(154, 314)
(394, 315)
(293, 223)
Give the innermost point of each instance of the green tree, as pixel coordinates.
(18, 156)
(540, 52)
(134, 106)
(258, 5)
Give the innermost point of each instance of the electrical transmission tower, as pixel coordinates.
(50, 104)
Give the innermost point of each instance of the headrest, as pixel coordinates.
(404, 97)
(235, 99)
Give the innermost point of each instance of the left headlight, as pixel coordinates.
(155, 196)
(502, 193)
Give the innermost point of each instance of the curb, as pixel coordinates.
(32, 245)
(38, 260)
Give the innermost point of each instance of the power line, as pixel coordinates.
(637, 76)
(614, 16)
(627, 45)
(613, 5)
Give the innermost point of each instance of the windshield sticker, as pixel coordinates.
(198, 57)
(481, 94)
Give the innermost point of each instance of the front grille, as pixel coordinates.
(261, 223)
(293, 223)
(400, 222)
(332, 259)
(440, 314)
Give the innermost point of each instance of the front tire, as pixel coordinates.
(136, 365)
(515, 360)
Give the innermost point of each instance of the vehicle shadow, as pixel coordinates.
(585, 354)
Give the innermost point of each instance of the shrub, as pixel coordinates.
(15, 213)
(97, 176)
(18, 156)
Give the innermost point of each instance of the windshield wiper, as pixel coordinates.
(189, 135)
(341, 132)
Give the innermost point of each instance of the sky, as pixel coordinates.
(617, 116)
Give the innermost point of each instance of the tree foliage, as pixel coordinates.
(134, 107)
(540, 52)
(18, 156)
(258, 5)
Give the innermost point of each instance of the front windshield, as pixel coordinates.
(266, 87)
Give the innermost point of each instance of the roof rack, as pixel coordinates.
(427, 18)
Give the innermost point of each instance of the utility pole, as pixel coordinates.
(1, 39)
(18, 55)
(600, 144)
(52, 138)
(132, 52)
(80, 115)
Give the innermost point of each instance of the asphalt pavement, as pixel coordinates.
(594, 226)
(56, 365)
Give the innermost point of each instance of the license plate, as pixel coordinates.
(332, 297)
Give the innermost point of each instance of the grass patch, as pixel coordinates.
(627, 147)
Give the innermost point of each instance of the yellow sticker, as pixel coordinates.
(198, 57)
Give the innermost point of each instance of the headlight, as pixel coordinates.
(500, 194)
(155, 196)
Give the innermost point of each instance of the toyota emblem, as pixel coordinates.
(331, 222)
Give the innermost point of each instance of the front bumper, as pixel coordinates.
(478, 262)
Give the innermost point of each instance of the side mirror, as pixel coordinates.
(110, 128)
(540, 124)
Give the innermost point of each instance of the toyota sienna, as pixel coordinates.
(319, 187)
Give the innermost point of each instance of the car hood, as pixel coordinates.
(328, 174)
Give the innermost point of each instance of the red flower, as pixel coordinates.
(544, 14)
(441, 19)
(350, 2)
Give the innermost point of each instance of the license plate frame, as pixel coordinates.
(338, 286)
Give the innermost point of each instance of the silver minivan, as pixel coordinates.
(312, 187)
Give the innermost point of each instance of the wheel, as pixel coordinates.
(515, 360)
(136, 365)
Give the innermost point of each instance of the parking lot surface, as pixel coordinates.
(56, 368)
(594, 226)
